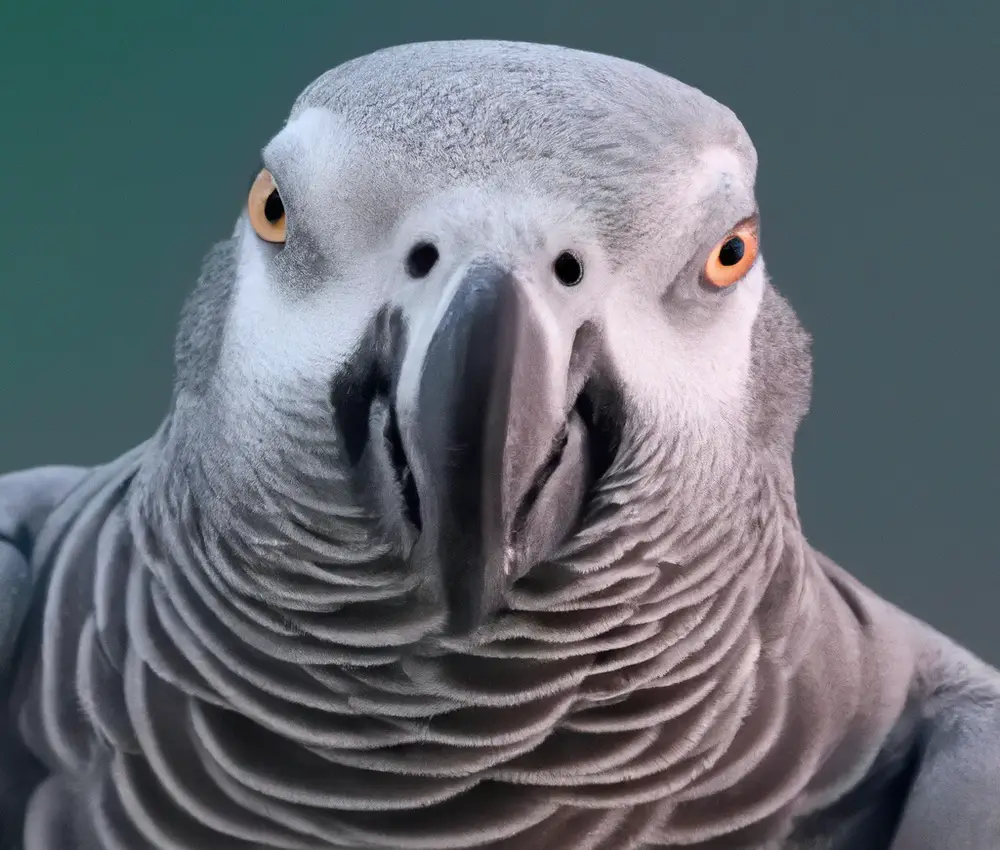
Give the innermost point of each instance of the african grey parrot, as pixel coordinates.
(472, 522)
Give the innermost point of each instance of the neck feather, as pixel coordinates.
(698, 666)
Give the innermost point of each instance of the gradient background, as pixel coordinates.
(130, 134)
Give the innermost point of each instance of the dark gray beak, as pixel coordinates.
(498, 455)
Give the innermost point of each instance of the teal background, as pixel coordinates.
(130, 132)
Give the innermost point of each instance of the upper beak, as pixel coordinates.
(485, 411)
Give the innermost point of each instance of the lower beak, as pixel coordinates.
(498, 457)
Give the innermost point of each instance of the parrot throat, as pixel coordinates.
(293, 692)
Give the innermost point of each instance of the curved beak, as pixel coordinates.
(484, 403)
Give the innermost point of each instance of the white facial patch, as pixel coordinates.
(281, 331)
(693, 368)
(696, 376)
(274, 338)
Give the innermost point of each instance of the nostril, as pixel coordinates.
(568, 268)
(421, 259)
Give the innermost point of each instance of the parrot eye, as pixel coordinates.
(732, 257)
(267, 210)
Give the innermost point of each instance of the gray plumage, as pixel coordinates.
(252, 632)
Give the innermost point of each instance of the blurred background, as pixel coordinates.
(130, 133)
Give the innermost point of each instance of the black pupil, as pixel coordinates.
(732, 252)
(422, 259)
(274, 209)
(568, 269)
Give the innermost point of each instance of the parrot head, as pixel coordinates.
(494, 319)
